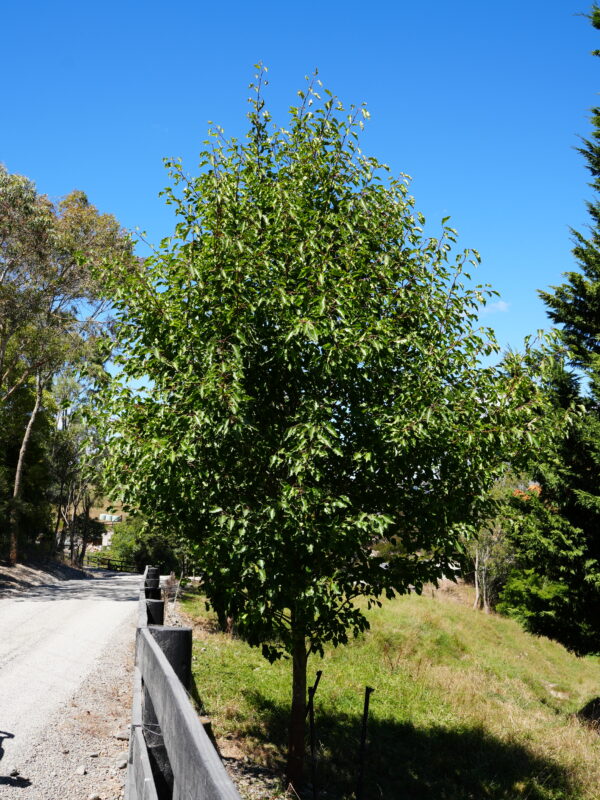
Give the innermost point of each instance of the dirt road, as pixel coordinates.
(50, 639)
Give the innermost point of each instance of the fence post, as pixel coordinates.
(157, 752)
(161, 767)
(155, 610)
(176, 644)
(152, 583)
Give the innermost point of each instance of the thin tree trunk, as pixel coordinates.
(295, 764)
(85, 532)
(477, 603)
(58, 510)
(486, 594)
(63, 530)
(72, 533)
(14, 516)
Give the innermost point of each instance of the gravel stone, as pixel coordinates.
(72, 735)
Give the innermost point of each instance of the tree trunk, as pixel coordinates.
(84, 534)
(58, 515)
(72, 534)
(477, 603)
(64, 530)
(14, 514)
(295, 764)
(486, 591)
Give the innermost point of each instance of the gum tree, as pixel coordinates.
(317, 424)
(49, 303)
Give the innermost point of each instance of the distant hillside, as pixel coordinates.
(466, 705)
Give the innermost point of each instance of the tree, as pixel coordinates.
(316, 392)
(575, 304)
(490, 551)
(49, 301)
(138, 542)
(555, 586)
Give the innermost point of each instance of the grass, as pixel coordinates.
(466, 706)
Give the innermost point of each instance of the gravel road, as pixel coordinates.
(65, 682)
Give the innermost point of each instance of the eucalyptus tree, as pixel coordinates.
(49, 301)
(317, 422)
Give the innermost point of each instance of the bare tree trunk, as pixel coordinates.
(63, 530)
(14, 515)
(477, 603)
(85, 532)
(486, 591)
(72, 534)
(295, 764)
(58, 514)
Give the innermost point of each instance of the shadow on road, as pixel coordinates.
(103, 585)
(16, 781)
(4, 735)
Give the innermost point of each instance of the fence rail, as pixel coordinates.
(170, 753)
(105, 562)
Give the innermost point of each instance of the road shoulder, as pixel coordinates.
(81, 752)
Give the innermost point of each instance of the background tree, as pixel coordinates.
(49, 301)
(555, 585)
(138, 541)
(490, 551)
(316, 390)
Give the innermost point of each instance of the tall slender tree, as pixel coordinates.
(555, 585)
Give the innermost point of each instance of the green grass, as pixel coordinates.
(465, 706)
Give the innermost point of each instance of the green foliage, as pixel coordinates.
(316, 386)
(34, 509)
(135, 540)
(575, 304)
(555, 586)
(49, 323)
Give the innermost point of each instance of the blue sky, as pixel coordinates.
(482, 104)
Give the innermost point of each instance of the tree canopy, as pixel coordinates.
(49, 314)
(317, 421)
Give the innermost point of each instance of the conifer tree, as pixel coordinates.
(555, 587)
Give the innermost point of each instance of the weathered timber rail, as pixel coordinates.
(115, 564)
(170, 755)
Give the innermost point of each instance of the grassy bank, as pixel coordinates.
(465, 706)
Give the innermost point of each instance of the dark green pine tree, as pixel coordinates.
(575, 304)
(555, 586)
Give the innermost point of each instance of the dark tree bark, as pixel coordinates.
(295, 764)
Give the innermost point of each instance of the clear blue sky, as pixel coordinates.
(481, 103)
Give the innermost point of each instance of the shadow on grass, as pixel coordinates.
(408, 763)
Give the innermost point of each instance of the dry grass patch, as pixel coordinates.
(467, 705)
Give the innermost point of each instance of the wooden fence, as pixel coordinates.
(170, 754)
(105, 562)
